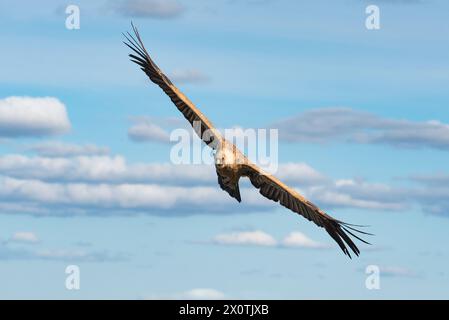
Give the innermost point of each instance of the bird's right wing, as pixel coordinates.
(202, 126)
(273, 189)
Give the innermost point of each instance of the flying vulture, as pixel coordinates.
(231, 164)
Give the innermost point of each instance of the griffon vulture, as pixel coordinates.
(231, 164)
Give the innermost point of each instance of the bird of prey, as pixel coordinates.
(231, 164)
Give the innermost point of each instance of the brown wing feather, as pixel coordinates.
(187, 108)
(275, 190)
(232, 188)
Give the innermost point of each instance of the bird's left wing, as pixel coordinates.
(273, 189)
(202, 126)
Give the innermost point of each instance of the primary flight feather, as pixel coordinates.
(231, 164)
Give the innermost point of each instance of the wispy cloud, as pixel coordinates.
(82, 198)
(432, 192)
(437, 179)
(405, 2)
(202, 294)
(301, 174)
(155, 9)
(397, 271)
(67, 255)
(32, 184)
(24, 237)
(357, 193)
(349, 125)
(103, 169)
(61, 149)
(40, 185)
(188, 76)
(29, 116)
(192, 294)
(144, 130)
(76, 255)
(116, 169)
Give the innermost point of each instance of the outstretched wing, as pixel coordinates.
(202, 126)
(275, 190)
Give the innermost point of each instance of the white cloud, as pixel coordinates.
(202, 294)
(115, 169)
(11, 253)
(295, 239)
(157, 9)
(86, 184)
(359, 194)
(29, 183)
(112, 169)
(24, 236)
(440, 179)
(396, 271)
(150, 198)
(299, 240)
(28, 116)
(60, 149)
(344, 200)
(75, 255)
(348, 125)
(300, 173)
(144, 130)
(188, 76)
(257, 238)
(109, 181)
(394, 2)
(193, 294)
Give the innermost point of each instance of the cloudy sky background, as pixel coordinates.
(85, 173)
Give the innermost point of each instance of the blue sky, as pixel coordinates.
(364, 133)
